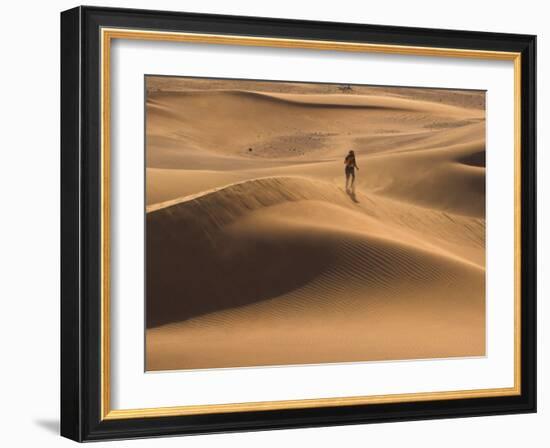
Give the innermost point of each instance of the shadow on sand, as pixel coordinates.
(351, 193)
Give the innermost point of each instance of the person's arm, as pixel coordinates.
(355, 163)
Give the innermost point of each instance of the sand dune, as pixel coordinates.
(437, 178)
(324, 258)
(407, 149)
(279, 126)
(257, 256)
(462, 98)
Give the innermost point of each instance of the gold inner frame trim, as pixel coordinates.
(107, 35)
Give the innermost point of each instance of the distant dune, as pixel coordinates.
(256, 255)
(279, 126)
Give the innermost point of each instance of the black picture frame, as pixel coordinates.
(81, 224)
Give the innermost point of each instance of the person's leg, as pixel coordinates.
(347, 178)
(352, 179)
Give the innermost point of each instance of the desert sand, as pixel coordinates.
(257, 255)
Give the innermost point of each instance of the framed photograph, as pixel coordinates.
(273, 223)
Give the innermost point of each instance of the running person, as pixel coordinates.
(351, 165)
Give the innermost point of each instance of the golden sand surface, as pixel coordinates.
(257, 255)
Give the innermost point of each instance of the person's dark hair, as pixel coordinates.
(351, 152)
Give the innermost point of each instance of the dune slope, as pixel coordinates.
(295, 270)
